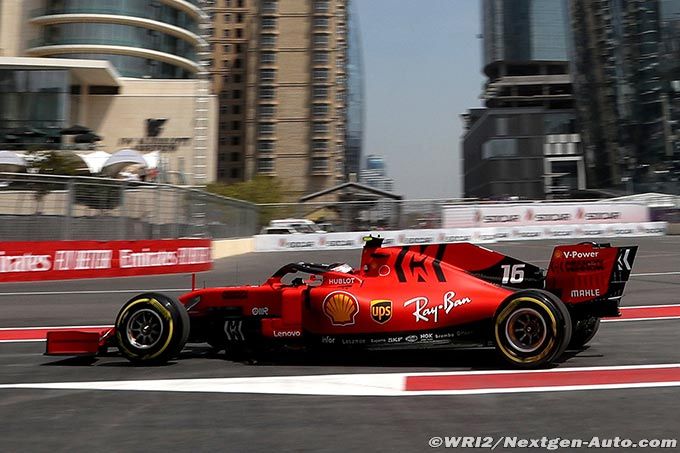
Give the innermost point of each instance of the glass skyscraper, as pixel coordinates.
(524, 30)
(524, 143)
(355, 96)
(141, 38)
(628, 90)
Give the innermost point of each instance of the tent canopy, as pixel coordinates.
(12, 162)
(121, 159)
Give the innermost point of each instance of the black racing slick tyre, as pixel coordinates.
(151, 329)
(583, 331)
(531, 329)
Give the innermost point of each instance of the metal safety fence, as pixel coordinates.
(39, 207)
(388, 214)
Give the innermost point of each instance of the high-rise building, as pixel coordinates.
(116, 67)
(627, 79)
(354, 134)
(374, 174)
(524, 143)
(231, 24)
(280, 68)
(142, 38)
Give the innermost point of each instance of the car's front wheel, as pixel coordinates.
(151, 329)
(531, 329)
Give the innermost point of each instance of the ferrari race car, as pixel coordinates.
(405, 296)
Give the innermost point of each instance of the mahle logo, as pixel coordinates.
(381, 311)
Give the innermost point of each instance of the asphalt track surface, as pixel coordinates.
(101, 420)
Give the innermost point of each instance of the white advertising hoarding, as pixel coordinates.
(542, 214)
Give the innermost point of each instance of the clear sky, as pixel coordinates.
(422, 69)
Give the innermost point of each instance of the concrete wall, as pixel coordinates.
(232, 247)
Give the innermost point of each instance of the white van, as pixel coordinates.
(299, 225)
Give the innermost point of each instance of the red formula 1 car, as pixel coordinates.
(458, 294)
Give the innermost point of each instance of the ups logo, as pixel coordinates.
(381, 311)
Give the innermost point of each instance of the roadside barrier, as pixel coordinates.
(337, 241)
(63, 260)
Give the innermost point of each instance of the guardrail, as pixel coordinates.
(386, 214)
(39, 207)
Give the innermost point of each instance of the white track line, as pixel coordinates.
(389, 384)
(654, 274)
(666, 318)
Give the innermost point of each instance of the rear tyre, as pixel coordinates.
(531, 329)
(584, 330)
(151, 329)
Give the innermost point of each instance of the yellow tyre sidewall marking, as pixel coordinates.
(161, 311)
(503, 316)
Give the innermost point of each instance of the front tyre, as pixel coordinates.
(151, 329)
(531, 329)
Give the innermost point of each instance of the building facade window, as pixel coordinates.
(321, 57)
(267, 75)
(269, 23)
(321, 92)
(320, 110)
(269, 6)
(321, 6)
(500, 147)
(321, 22)
(319, 145)
(319, 164)
(265, 165)
(268, 40)
(267, 92)
(265, 146)
(320, 74)
(268, 58)
(320, 40)
(267, 110)
(266, 128)
(320, 128)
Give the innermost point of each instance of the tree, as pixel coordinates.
(259, 190)
(51, 162)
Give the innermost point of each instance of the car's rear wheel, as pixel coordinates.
(151, 329)
(584, 330)
(531, 329)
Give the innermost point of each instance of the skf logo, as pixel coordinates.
(341, 308)
(381, 311)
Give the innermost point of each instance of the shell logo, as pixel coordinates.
(529, 215)
(341, 308)
(558, 254)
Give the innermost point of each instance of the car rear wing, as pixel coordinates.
(589, 272)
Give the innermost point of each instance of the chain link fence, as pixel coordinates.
(387, 214)
(40, 207)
